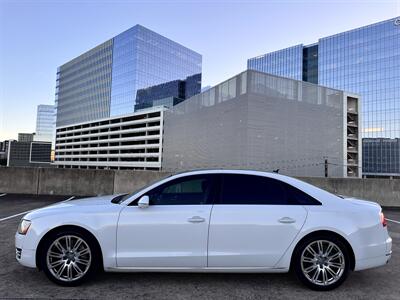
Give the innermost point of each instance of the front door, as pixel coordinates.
(172, 231)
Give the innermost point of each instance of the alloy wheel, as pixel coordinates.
(68, 258)
(322, 262)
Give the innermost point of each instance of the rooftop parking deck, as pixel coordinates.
(20, 282)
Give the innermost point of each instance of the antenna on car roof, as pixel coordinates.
(276, 171)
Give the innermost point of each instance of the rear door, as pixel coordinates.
(253, 223)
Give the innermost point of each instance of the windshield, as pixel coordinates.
(124, 197)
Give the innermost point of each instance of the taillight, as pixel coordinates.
(383, 220)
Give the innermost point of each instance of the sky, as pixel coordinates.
(38, 36)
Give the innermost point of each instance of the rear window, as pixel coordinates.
(258, 190)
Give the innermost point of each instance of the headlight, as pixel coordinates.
(24, 226)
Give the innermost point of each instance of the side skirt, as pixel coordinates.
(199, 270)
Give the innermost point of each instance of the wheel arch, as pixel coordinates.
(326, 233)
(39, 249)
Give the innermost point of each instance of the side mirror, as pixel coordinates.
(144, 202)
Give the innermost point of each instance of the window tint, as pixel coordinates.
(194, 186)
(298, 197)
(190, 190)
(250, 189)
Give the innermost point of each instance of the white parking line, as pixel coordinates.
(1, 195)
(25, 212)
(13, 216)
(394, 221)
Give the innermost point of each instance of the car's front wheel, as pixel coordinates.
(322, 263)
(68, 258)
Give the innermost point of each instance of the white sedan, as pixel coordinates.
(208, 221)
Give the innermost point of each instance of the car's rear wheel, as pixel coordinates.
(69, 257)
(322, 262)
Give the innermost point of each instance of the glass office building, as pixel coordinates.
(26, 137)
(365, 61)
(168, 93)
(104, 81)
(382, 155)
(287, 62)
(45, 123)
(83, 86)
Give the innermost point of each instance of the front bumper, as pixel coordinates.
(389, 247)
(26, 257)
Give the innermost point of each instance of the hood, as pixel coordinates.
(100, 200)
(84, 204)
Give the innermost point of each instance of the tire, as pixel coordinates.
(69, 257)
(321, 270)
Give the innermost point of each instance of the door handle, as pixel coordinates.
(286, 220)
(196, 219)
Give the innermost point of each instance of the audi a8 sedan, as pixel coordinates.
(208, 221)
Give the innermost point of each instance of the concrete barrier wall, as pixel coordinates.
(52, 181)
(384, 191)
(19, 180)
(130, 181)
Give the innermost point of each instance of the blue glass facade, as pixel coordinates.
(310, 63)
(45, 123)
(143, 58)
(145, 97)
(83, 86)
(381, 156)
(104, 81)
(192, 85)
(179, 89)
(287, 62)
(124, 73)
(365, 61)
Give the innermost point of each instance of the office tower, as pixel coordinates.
(103, 82)
(45, 123)
(365, 61)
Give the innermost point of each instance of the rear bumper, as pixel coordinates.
(376, 261)
(372, 262)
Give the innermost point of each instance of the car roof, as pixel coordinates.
(231, 171)
(202, 171)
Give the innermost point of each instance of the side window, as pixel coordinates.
(190, 190)
(251, 189)
(296, 196)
